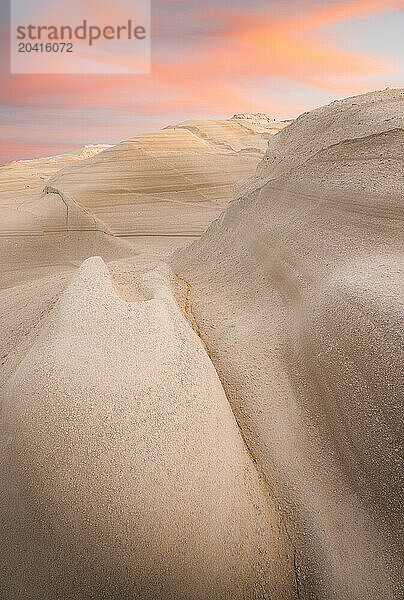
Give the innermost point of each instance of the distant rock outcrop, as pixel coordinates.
(171, 182)
(255, 117)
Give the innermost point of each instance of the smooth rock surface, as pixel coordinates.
(297, 290)
(172, 182)
(157, 191)
(124, 474)
(225, 422)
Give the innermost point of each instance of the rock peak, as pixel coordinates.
(256, 117)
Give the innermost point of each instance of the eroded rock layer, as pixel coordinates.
(158, 190)
(225, 423)
(297, 289)
(170, 182)
(124, 474)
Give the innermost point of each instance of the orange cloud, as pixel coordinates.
(245, 45)
(216, 73)
(290, 47)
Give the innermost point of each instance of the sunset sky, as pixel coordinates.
(210, 59)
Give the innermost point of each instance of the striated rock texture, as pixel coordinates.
(297, 290)
(25, 208)
(41, 231)
(158, 190)
(22, 180)
(172, 182)
(224, 423)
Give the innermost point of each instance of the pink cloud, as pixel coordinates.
(216, 72)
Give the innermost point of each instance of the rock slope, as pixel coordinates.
(225, 423)
(157, 190)
(124, 474)
(297, 289)
(172, 182)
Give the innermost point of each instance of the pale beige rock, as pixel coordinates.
(41, 232)
(124, 474)
(297, 290)
(123, 471)
(172, 182)
(23, 179)
(159, 190)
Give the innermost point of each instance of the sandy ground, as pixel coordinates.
(223, 422)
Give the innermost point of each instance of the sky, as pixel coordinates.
(210, 59)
